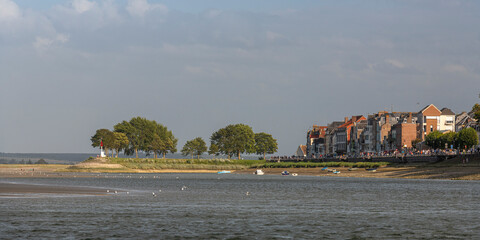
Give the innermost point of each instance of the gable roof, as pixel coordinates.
(427, 107)
(447, 111)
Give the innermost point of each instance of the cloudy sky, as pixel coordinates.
(68, 68)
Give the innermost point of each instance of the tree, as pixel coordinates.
(194, 147)
(476, 111)
(467, 138)
(433, 139)
(105, 136)
(120, 141)
(213, 150)
(447, 139)
(157, 145)
(41, 161)
(234, 139)
(265, 143)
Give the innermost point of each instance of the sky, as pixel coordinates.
(68, 68)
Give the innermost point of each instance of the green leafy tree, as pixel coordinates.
(169, 142)
(188, 148)
(265, 143)
(196, 147)
(433, 139)
(476, 111)
(234, 139)
(132, 135)
(120, 141)
(467, 138)
(447, 139)
(105, 136)
(213, 150)
(157, 145)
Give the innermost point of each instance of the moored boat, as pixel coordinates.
(259, 172)
(222, 172)
(284, 173)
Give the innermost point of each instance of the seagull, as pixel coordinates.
(248, 193)
(108, 190)
(115, 192)
(160, 190)
(128, 192)
(153, 194)
(184, 187)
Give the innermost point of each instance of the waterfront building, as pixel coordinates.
(316, 141)
(301, 151)
(343, 134)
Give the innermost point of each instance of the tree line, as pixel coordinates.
(150, 137)
(464, 139)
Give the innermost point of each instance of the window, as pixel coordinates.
(431, 128)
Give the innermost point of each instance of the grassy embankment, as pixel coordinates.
(150, 164)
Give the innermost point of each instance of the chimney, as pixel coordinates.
(346, 119)
(354, 118)
(409, 120)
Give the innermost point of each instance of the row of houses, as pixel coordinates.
(383, 131)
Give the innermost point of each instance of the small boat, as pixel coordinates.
(285, 173)
(294, 174)
(336, 172)
(331, 170)
(222, 172)
(323, 169)
(352, 169)
(259, 172)
(371, 169)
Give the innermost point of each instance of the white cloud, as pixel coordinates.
(9, 10)
(42, 44)
(395, 63)
(139, 8)
(82, 6)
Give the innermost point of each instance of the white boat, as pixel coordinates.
(294, 174)
(259, 172)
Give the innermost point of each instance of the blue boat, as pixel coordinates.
(222, 172)
(285, 173)
(325, 168)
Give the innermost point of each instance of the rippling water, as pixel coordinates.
(217, 207)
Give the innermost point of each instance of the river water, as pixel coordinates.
(211, 206)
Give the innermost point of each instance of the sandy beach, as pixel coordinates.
(14, 189)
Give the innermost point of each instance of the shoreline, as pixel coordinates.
(453, 172)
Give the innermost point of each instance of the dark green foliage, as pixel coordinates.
(433, 139)
(476, 111)
(196, 146)
(234, 139)
(467, 138)
(148, 136)
(213, 150)
(265, 143)
(41, 161)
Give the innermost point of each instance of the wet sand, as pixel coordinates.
(452, 173)
(14, 189)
